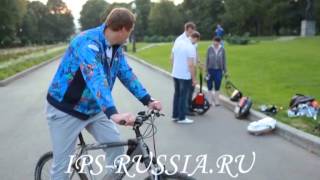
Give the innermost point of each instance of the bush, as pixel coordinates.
(6, 41)
(171, 38)
(240, 40)
(25, 41)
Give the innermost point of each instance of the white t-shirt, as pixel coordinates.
(182, 51)
(196, 49)
(183, 36)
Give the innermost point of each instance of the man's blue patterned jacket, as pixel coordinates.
(83, 82)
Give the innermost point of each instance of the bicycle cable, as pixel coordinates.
(151, 130)
(153, 137)
(148, 133)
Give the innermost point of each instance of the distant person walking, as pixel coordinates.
(216, 68)
(183, 57)
(219, 32)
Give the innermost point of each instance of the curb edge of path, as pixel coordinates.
(14, 77)
(302, 139)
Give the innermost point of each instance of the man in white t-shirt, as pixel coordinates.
(183, 57)
(195, 37)
(189, 27)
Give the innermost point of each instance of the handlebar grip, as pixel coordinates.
(122, 122)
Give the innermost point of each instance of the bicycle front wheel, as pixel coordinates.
(175, 176)
(42, 171)
(43, 167)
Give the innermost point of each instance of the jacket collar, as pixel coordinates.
(214, 48)
(105, 41)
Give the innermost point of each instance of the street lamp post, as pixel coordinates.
(133, 36)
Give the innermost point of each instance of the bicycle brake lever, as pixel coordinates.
(158, 114)
(142, 113)
(139, 121)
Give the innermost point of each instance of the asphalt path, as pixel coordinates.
(24, 134)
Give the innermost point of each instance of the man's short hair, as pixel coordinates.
(217, 39)
(195, 34)
(189, 24)
(120, 18)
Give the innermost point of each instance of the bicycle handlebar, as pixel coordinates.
(143, 116)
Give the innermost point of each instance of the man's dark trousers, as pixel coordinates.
(190, 96)
(180, 99)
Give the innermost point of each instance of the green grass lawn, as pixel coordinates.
(20, 60)
(270, 71)
(139, 45)
(8, 54)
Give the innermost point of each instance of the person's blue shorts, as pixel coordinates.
(215, 76)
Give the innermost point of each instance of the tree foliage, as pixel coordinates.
(11, 14)
(263, 17)
(238, 17)
(204, 13)
(92, 13)
(142, 12)
(165, 19)
(24, 22)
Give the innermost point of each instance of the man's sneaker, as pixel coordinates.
(185, 121)
(174, 119)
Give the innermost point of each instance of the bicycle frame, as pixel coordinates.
(135, 147)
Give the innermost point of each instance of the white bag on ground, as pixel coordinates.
(262, 126)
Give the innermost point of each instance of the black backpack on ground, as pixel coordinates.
(299, 99)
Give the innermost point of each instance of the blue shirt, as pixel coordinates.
(219, 32)
(85, 77)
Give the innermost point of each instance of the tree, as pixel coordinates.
(165, 19)
(31, 30)
(57, 7)
(109, 8)
(10, 21)
(42, 23)
(204, 13)
(245, 15)
(264, 17)
(59, 16)
(46, 23)
(317, 14)
(93, 13)
(142, 11)
(287, 16)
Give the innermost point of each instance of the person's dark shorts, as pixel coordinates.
(215, 76)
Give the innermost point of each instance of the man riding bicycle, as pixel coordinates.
(80, 93)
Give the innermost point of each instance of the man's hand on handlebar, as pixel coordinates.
(125, 119)
(128, 119)
(155, 105)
